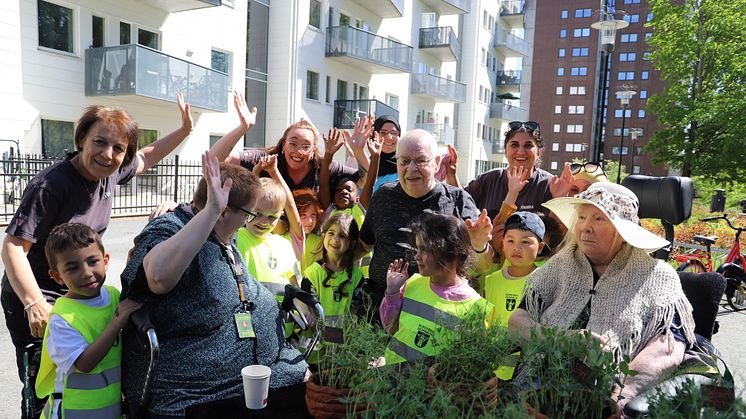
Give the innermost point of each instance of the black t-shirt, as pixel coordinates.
(249, 158)
(60, 194)
(391, 210)
(490, 189)
(387, 164)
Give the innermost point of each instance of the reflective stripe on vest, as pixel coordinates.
(82, 381)
(113, 411)
(430, 313)
(400, 348)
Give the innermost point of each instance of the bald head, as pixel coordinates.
(418, 136)
(417, 162)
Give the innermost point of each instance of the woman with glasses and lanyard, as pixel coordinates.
(298, 156)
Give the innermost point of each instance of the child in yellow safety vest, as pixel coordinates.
(311, 218)
(522, 244)
(422, 310)
(81, 357)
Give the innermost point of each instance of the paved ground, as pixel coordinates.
(118, 239)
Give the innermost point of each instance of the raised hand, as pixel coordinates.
(333, 141)
(266, 164)
(217, 193)
(517, 180)
(361, 132)
(480, 231)
(246, 117)
(561, 186)
(374, 145)
(186, 117)
(396, 276)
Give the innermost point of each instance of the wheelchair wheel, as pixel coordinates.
(692, 266)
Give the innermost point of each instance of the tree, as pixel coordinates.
(698, 47)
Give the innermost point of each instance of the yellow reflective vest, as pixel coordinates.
(426, 320)
(96, 394)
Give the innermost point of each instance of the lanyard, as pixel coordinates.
(237, 270)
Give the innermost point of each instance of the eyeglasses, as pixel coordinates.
(527, 126)
(589, 167)
(393, 133)
(303, 149)
(249, 215)
(404, 161)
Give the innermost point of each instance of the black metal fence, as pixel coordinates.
(171, 180)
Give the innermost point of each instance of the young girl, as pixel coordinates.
(311, 215)
(420, 311)
(335, 277)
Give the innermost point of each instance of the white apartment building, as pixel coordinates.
(458, 68)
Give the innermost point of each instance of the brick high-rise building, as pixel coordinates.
(566, 76)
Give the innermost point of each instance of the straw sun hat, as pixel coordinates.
(619, 204)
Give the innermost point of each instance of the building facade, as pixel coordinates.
(564, 89)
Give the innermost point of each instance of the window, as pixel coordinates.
(628, 56)
(575, 129)
(125, 33)
(568, 148)
(555, 146)
(635, 170)
(97, 31)
(618, 132)
(214, 139)
(576, 109)
(648, 35)
(563, 14)
(628, 38)
(483, 57)
(581, 32)
(312, 85)
(56, 137)
(560, 71)
(330, 17)
(649, 17)
(484, 132)
(631, 1)
(580, 52)
(625, 75)
(618, 113)
(221, 61)
(561, 52)
(645, 75)
(56, 27)
(563, 33)
(146, 137)
(314, 16)
(553, 165)
(646, 56)
(583, 13)
(556, 128)
(641, 113)
(615, 150)
(148, 38)
(557, 109)
(632, 18)
(577, 90)
(328, 90)
(558, 90)
(579, 71)
(341, 90)
(481, 93)
(479, 129)
(392, 100)
(643, 94)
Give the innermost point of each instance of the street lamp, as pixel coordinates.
(624, 96)
(608, 26)
(633, 132)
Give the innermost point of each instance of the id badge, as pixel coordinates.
(243, 325)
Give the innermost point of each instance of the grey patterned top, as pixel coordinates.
(201, 355)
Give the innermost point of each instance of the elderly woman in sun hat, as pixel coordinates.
(603, 280)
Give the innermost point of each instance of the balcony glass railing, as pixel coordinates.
(506, 39)
(443, 133)
(346, 111)
(507, 112)
(435, 86)
(357, 43)
(138, 70)
(512, 7)
(443, 36)
(508, 77)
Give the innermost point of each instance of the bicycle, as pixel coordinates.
(732, 268)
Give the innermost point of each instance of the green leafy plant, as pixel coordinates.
(690, 402)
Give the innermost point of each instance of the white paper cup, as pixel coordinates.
(256, 385)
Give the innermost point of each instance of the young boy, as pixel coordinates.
(81, 355)
(521, 245)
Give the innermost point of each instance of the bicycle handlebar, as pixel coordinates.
(727, 220)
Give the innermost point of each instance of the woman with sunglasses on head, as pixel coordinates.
(298, 156)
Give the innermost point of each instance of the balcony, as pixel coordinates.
(510, 45)
(508, 78)
(142, 71)
(367, 51)
(346, 111)
(438, 87)
(507, 112)
(181, 5)
(384, 8)
(441, 42)
(443, 133)
(449, 7)
(512, 12)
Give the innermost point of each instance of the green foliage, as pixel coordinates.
(691, 403)
(611, 167)
(697, 45)
(704, 189)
